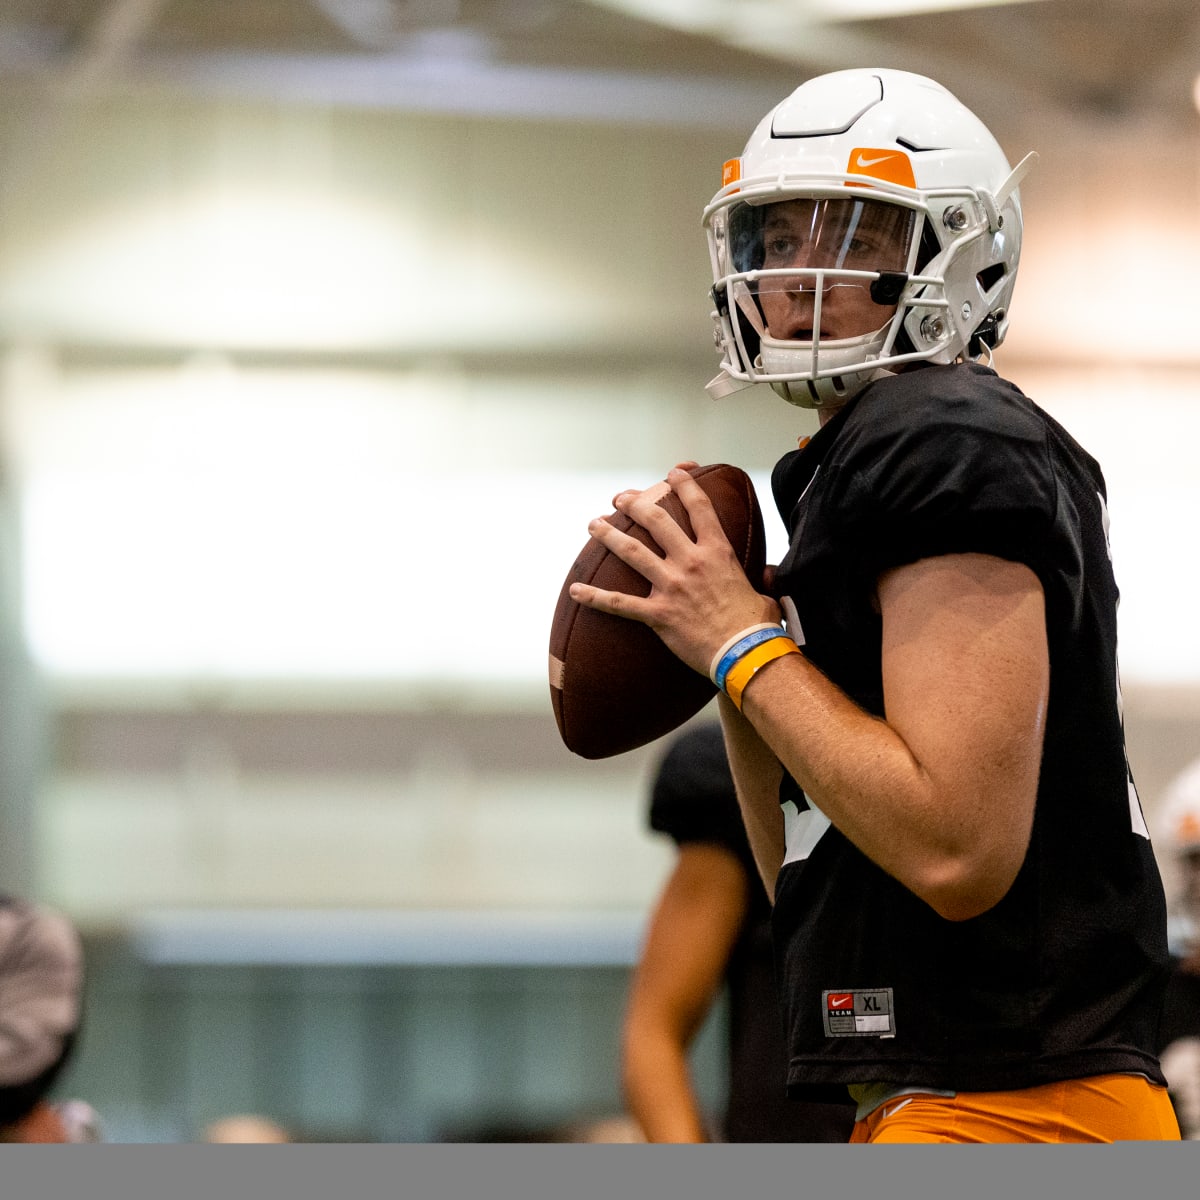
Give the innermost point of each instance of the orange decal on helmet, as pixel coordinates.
(892, 166)
(731, 172)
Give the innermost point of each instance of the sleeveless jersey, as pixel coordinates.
(1064, 977)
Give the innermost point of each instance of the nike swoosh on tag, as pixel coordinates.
(891, 1112)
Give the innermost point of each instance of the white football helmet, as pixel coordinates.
(871, 221)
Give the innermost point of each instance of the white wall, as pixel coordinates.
(284, 393)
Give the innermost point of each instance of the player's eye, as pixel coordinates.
(780, 248)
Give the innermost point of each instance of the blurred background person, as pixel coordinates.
(1181, 818)
(710, 932)
(1179, 1036)
(41, 992)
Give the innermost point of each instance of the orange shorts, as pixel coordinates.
(1101, 1108)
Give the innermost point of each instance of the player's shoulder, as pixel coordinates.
(942, 420)
(961, 398)
(930, 449)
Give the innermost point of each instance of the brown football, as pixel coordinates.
(613, 683)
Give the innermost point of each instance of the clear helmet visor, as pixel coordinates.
(808, 266)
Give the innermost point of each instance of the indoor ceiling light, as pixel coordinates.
(862, 10)
(687, 14)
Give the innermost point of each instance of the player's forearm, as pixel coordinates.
(658, 1089)
(756, 774)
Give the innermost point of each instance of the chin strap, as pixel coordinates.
(723, 384)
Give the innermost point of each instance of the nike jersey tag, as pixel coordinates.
(862, 1013)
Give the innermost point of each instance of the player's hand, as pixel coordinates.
(699, 594)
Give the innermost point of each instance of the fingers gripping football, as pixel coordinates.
(699, 592)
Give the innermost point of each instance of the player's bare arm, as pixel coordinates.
(757, 774)
(941, 793)
(680, 973)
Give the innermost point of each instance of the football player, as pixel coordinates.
(924, 717)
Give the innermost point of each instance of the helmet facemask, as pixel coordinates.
(814, 292)
(810, 288)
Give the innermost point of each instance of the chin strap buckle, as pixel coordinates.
(984, 339)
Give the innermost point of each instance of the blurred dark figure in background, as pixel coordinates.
(1179, 1038)
(41, 990)
(711, 930)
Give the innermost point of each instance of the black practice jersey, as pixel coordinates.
(1064, 976)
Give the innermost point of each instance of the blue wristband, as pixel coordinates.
(742, 647)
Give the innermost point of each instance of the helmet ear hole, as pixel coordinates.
(990, 276)
(930, 246)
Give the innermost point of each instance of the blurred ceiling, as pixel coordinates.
(691, 62)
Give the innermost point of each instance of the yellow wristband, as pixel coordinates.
(752, 661)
